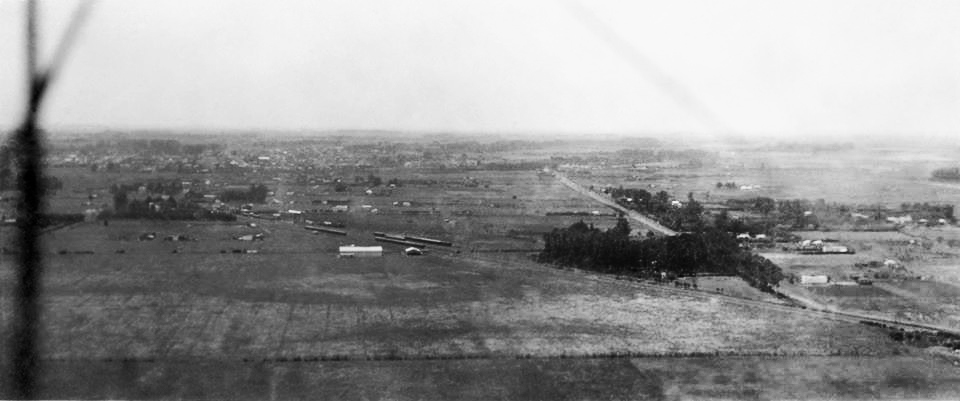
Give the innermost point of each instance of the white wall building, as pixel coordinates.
(814, 279)
(360, 251)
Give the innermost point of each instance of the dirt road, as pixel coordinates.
(644, 220)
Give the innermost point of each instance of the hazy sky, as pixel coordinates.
(749, 67)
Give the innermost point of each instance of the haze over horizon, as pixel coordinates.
(769, 69)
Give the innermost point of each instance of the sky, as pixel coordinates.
(765, 68)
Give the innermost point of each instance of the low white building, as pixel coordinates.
(900, 220)
(834, 249)
(814, 279)
(360, 251)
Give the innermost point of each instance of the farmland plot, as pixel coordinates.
(199, 304)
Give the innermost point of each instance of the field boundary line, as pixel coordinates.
(392, 356)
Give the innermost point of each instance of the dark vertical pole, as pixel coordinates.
(25, 364)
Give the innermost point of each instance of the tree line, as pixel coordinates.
(160, 208)
(257, 193)
(677, 215)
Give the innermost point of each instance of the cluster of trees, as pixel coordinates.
(160, 208)
(59, 219)
(370, 180)
(791, 212)
(759, 204)
(123, 205)
(190, 214)
(257, 193)
(163, 187)
(724, 223)
(727, 185)
(153, 146)
(686, 217)
(800, 213)
(948, 173)
(707, 250)
(922, 339)
(928, 211)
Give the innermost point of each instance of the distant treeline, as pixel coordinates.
(928, 211)
(59, 219)
(372, 181)
(917, 338)
(638, 155)
(151, 146)
(165, 187)
(613, 251)
(810, 147)
(163, 204)
(513, 166)
(147, 213)
(257, 193)
(801, 213)
(948, 173)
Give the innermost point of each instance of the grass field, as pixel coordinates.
(898, 377)
(735, 287)
(154, 304)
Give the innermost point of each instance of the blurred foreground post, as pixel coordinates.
(24, 359)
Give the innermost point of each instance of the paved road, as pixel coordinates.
(644, 220)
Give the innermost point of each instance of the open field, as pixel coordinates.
(922, 252)
(896, 377)
(732, 286)
(311, 304)
(868, 176)
(901, 298)
(126, 318)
